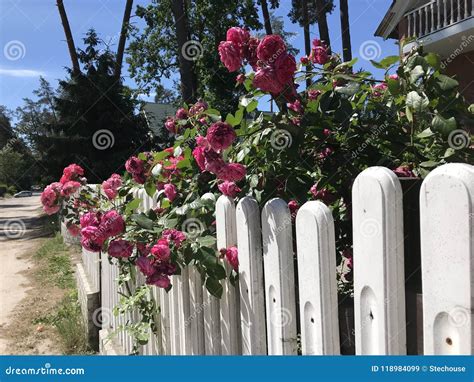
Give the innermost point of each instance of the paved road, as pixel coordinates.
(21, 222)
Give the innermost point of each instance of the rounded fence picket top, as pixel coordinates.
(447, 255)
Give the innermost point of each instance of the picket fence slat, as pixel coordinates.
(447, 250)
(316, 250)
(165, 326)
(195, 320)
(379, 292)
(230, 301)
(252, 299)
(279, 278)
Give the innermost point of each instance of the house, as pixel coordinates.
(156, 114)
(445, 27)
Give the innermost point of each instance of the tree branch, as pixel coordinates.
(123, 38)
(70, 41)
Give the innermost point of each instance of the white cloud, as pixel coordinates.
(21, 72)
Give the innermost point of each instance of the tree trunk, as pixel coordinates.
(266, 17)
(307, 37)
(70, 41)
(186, 67)
(345, 31)
(123, 38)
(323, 24)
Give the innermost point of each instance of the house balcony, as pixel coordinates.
(441, 26)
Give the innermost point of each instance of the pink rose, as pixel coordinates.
(240, 78)
(90, 245)
(161, 251)
(181, 113)
(120, 248)
(238, 36)
(232, 257)
(233, 172)
(69, 188)
(296, 107)
(213, 161)
(319, 53)
(198, 154)
(159, 280)
(220, 136)
(229, 189)
(313, 94)
(322, 194)
(111, 185)
(89, 218)
(327, 132)
(201, 141)
(393, 77)
(72, 172)
(293, 207)
(73, 229)
(230, 55)
(325, 153)
(134, 165)
(404, 172)
(177, 237)
(170, 191)
(171, 126)
(270, 48)
(250, 52)
(139, 178)
(145, 266)
(285, 67)
(265, 79)
(50, 210)
(112, 223)
(198, 107)
(50, 198)
(379, 89)
(304, 60)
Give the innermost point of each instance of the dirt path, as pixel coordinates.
(21, 223)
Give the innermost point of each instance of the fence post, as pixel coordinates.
(317, 279)
(252, 298)
(379, 285)
(230, 301)
(447, 250)
(279, 278)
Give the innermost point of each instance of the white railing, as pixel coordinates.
(261, 314)
(436, 15)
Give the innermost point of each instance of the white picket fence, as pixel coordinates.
(261, 314)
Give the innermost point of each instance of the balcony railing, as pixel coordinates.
(436, 15)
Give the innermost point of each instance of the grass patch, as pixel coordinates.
(54, 268)
(54, 263)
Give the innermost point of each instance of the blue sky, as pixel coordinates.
(32, 41)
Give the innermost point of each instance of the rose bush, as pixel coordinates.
(312, 149)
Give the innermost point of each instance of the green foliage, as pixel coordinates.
(153, 51)
(93, 102)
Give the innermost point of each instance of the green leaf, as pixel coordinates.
(388, 61)
(393, 86)
(252, 106)
(416, 102)
(160, 155)
(143, 221)
(219, 271)
(184, 163)
(426, 133)
(443, 125)
(235, 120)
(446, 83)
(214, 287)
(433, 60)
(416, 73)
(206, 241)
(429, 164)
(132, 205)
(449, 152)
(150, 188)
(350, 89)
(213, 112)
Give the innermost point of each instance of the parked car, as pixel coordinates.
(23, 194)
